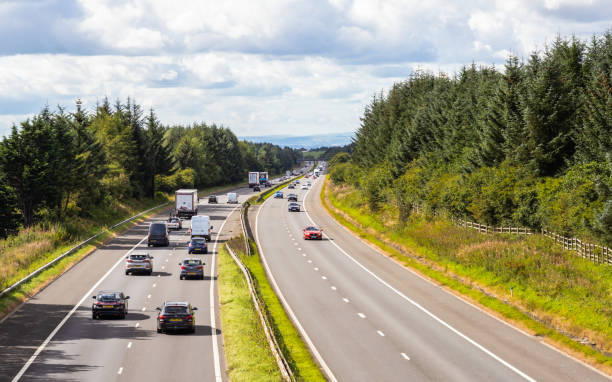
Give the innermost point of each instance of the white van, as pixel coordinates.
(200, 226)
(232, 197)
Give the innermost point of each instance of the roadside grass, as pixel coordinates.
(293, 347)
(247, 353)
(554, 292)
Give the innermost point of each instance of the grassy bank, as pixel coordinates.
(247, 353)
(554, 291)
(294, 349)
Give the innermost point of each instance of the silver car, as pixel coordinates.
(140, 262)
(192, 268)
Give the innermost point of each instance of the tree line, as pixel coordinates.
(529, 145)
(59, 164)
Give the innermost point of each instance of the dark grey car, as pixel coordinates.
(176, 315)
(192, 268)
(109, 303)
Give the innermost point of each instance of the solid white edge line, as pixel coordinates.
(286, 305)
(213, 325)
(417, 305)
(69, 314)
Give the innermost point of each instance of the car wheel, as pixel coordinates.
(159, 330)
(192, 330)
(202, 277)
(127, 273)
(180, 277)
(123, 316)
(93, 316)
(150, 272)
(189, 252)
(206, 251)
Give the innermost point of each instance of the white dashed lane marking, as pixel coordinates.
(309, 261)
(129, 345)
(149, 296)
(154, 285)
(120, 371)
(343, 299)
(333, 288)
(143, 309)
(316, 269)
(324, 278)
(361, 315)
(137, 324)
(380, 333)
(405, 356)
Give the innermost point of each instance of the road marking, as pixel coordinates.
(163, 267)
(380, 333)
(120, 371)
(149, 296)
(309, 261)
(154, 285)
(295, 243)
(299, 249)
(333, 287)
(405, 356)
(316, 269)
(143, 309)
(345, 299)
(159, 275)
(324, 278)
(361, 315)
(213, 325)
(137, 324)
(166, 260)
(293, 239)
(129, 345)
(303, 254)
(419, 306)
(69, 314)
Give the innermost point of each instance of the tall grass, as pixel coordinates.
(561, 289)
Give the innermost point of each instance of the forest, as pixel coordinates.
(529, 144)
(57, 165)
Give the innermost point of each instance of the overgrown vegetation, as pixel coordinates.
(531, 146)
(563, 291)
(247, 352)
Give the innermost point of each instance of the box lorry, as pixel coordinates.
(200, 227)
(263, 177)
(253, 178)
(232, 197)
(186, 203)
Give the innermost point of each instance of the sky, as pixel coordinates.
(261, 67)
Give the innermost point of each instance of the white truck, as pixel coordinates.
(253, 178)
(201, 227)
(232, 197)
(186, 203)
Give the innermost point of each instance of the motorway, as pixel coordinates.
(367, 318)
(53, 337)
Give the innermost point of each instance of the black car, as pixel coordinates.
(212, 199)
(256, 188)
(294, 207)
(109, 303)
(197, 244)
(291, 186)
(268, 184)
(292, 197)
(192, 268)
(158, 234)
(176, 316)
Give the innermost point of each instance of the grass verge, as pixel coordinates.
(555, 294)
(247, 353)
(294, 349)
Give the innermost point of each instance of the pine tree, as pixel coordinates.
(159, 157)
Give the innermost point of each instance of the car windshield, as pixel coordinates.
(192, 262)
(198, 241)
(158, 228)
(311, 229)
(138, 257)
(293, 204)
(175, 309)
(174, 220)
(108, 297)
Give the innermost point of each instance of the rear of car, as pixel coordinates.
(278, 195)
(294, 207)
(174, 223)
(139, 263)
(175, 316)
(292, 197)
(109, 304)
(291, 186)
(212, 199)
(192, 268)
(197, 245)
(232, 198)
(158, 235)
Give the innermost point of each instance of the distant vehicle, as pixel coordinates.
(278, 194)
(312, 233)
(309, 184)
(186, 203)
(192, 268)
(256, 189)
(293, 207)
(292, 197)
(158, 234)
(287, 174)
(177, 315)
(197, 244)
(200, 227)
(140, 262)
(291, 186)
(263, 177)
(296, 181)
(304, 187)
(253, 178)
(212, 199)
(174, 223)
(232, 197)
(267, 184)
(109, 303)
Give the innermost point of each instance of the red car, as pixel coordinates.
(313, 233)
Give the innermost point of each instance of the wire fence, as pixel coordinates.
(593, 252)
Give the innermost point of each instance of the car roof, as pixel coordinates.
(109, 292)
(176, 303)
(139, 253)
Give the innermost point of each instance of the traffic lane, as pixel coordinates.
(524, 351)
(99, 344)
(343, 339)
(433, 351)
(44, 311)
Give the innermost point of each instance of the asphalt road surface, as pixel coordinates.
(369, 319)
(53, 336)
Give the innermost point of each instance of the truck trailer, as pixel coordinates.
(186, 203)
(253, 178)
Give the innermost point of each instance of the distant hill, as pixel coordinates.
(307, 142)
